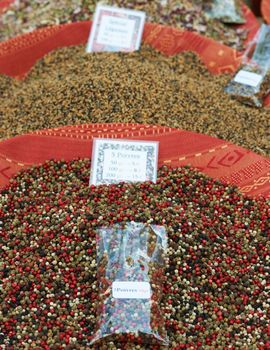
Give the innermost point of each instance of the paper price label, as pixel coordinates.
(248, 78)
(116, 32)
(131, 290)
(116, 29)
(115, 161)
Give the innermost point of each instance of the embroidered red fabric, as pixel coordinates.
(214, 157)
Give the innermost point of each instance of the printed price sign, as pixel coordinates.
(116, 29)
(115, 161)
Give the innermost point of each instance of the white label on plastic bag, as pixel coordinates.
(131, 290)
(116, 29)
(115, 161)
(248, 78)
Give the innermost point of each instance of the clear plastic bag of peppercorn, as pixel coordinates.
(131, 272)
(252, 82)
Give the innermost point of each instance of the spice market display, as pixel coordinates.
(160, 240)
(216, 292)
(70, 86)
(23, 16)
(216, 158)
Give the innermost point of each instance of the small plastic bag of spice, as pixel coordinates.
(131, 262)
(251, 84)
(227, 11)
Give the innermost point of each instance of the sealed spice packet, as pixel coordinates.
(227, 11)
(252, 82)
(131, 262)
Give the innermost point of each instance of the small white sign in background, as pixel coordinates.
(131, 290)
(115, 161)
(116, 29)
